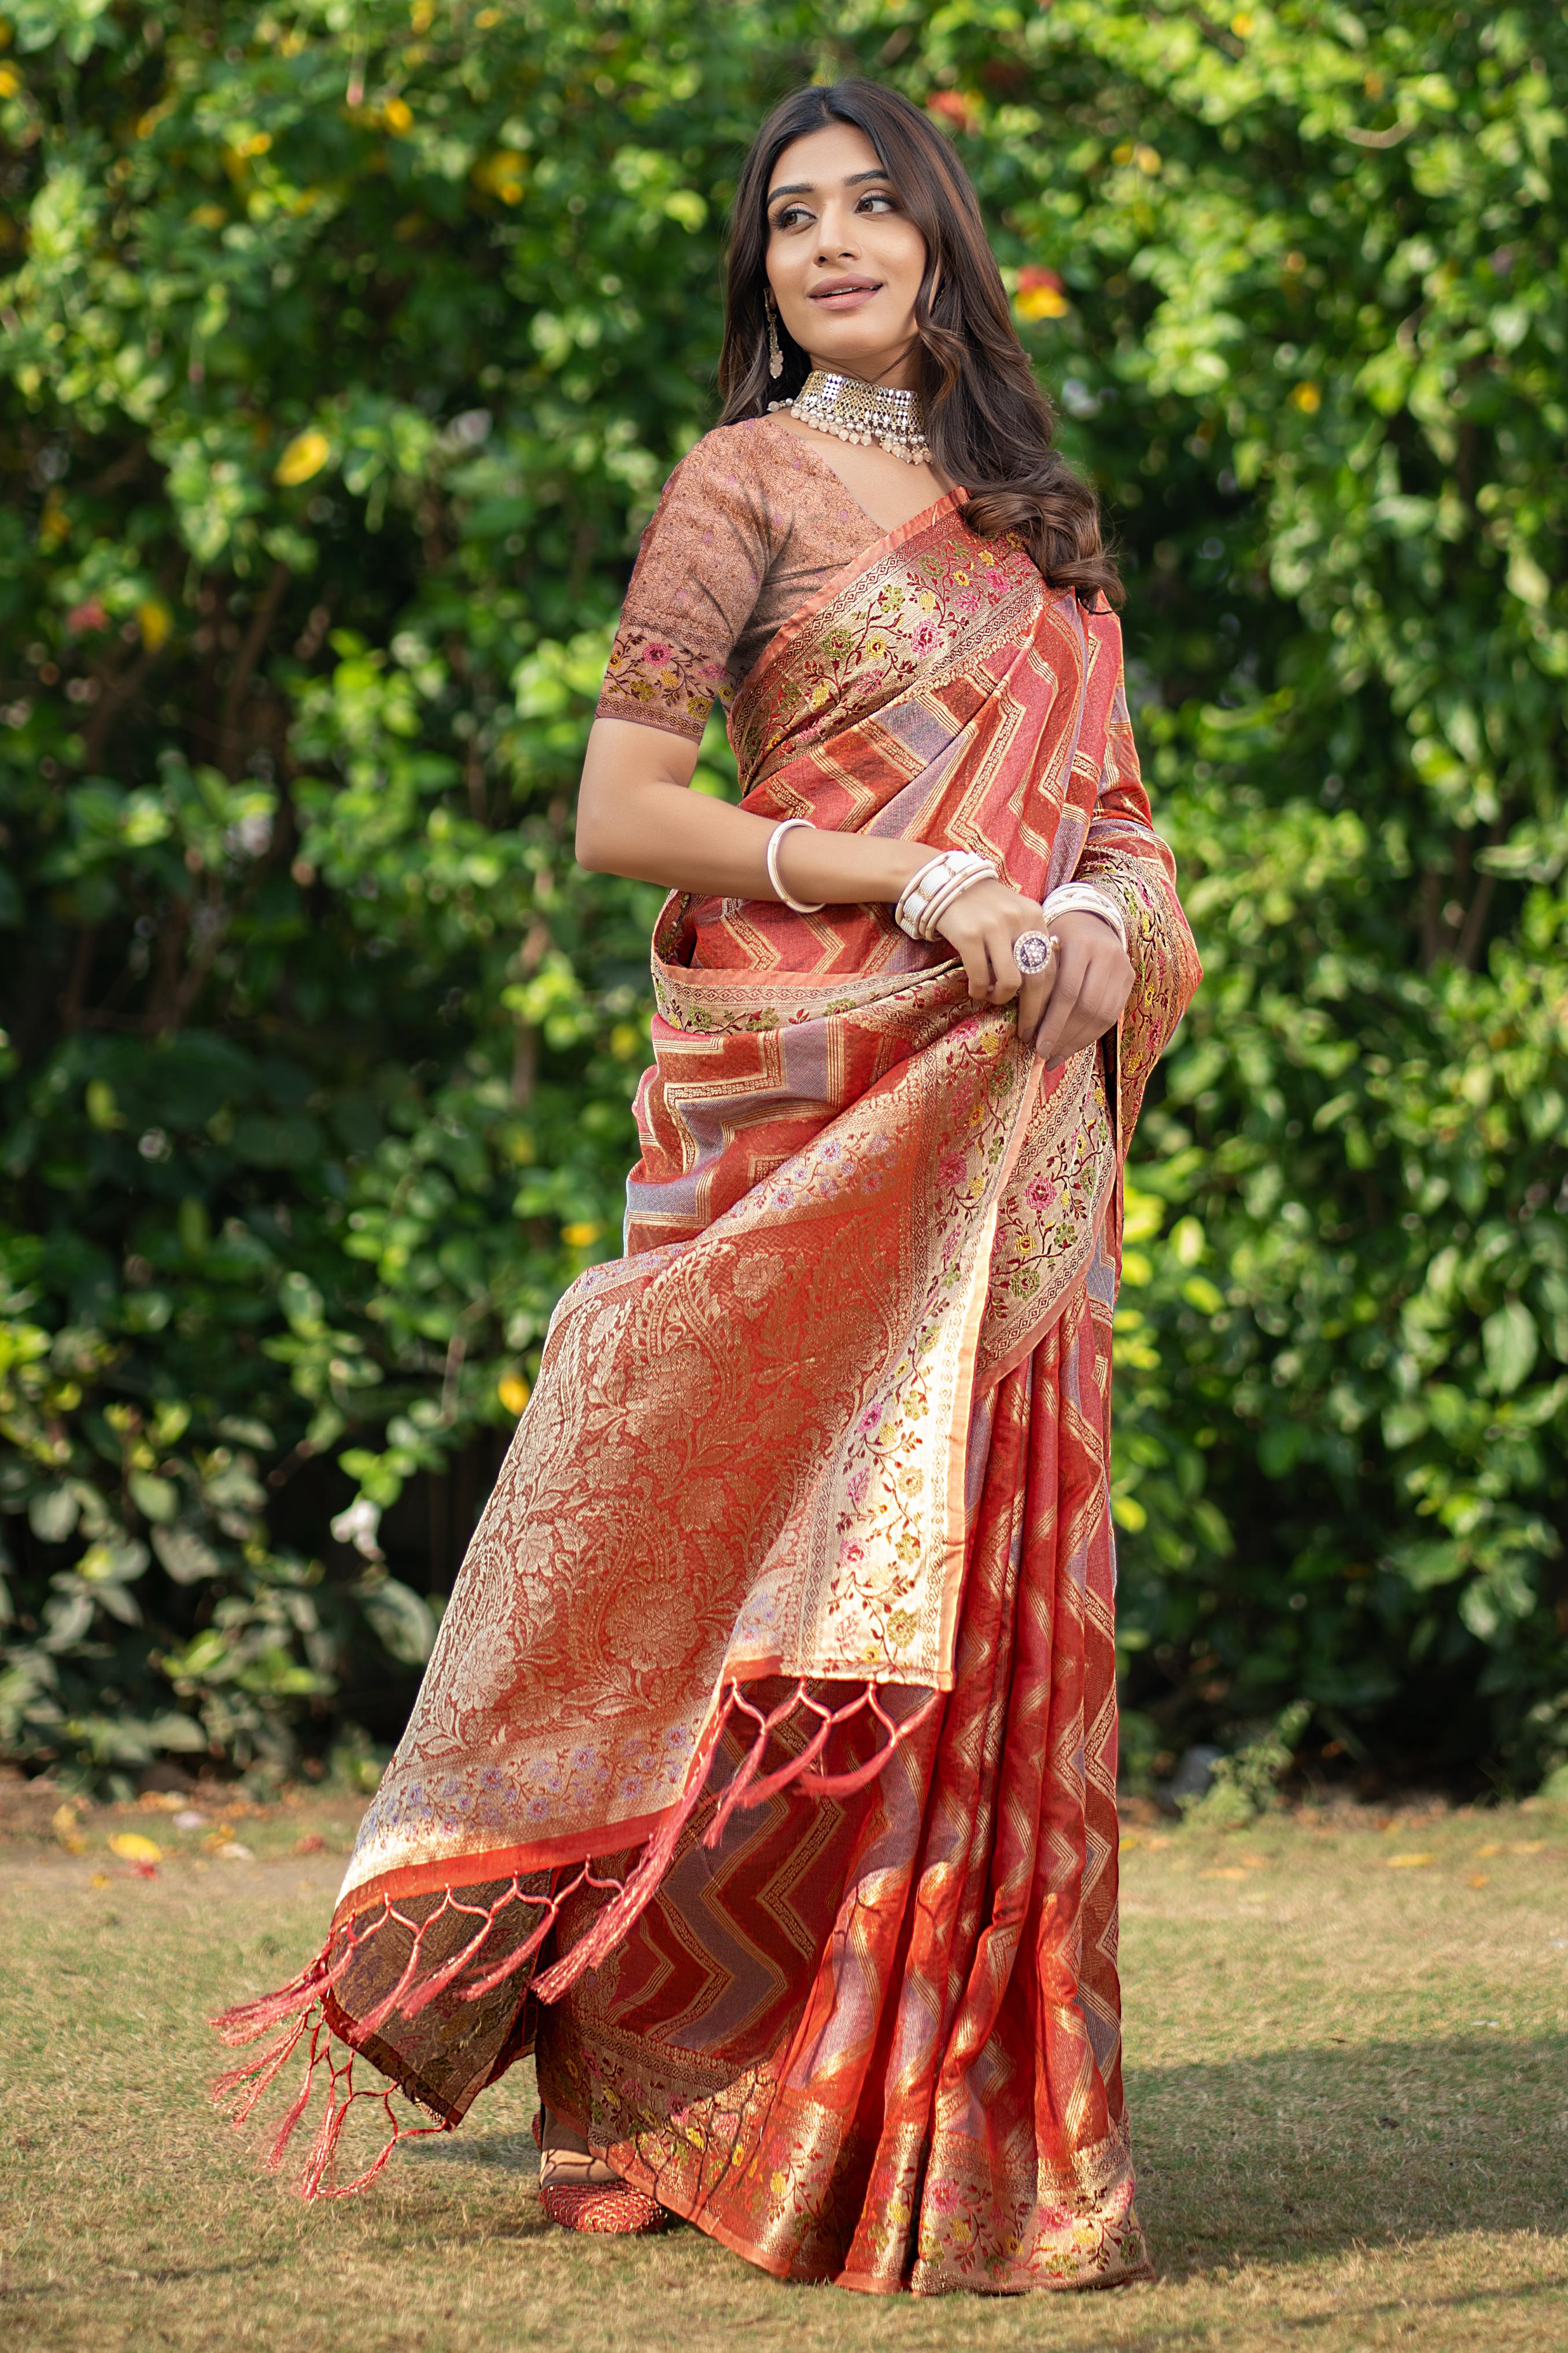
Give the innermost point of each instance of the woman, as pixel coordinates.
(763, 1781)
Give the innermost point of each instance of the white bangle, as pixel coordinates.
(1083, 898)
(932, 889)
(796, 907)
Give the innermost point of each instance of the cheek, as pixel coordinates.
(902, 253)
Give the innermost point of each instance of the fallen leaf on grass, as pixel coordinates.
(313, 1842)
(68, 1830)
(1410, 1862)
(233, 1851)
(1225, 1871)
(1481, 1879)
(1527, 1846)
(1495, 1847)
(1132, 1840)
(132, 1847)
(98, 1879)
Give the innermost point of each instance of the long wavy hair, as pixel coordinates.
(990, 426)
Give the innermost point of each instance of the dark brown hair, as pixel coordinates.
(990, 426)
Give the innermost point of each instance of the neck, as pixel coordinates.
(888, 372)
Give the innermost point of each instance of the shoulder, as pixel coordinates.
(726, 495)
(734, 461)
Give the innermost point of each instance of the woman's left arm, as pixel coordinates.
(1124, 857)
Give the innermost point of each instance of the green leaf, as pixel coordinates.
(1511, 1345)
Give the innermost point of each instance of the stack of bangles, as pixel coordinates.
(928, 893)
(934, 887)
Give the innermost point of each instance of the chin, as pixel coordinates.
(850, 353)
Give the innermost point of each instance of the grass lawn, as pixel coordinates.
(1345, 2045)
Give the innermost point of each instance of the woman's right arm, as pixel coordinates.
(637, 815)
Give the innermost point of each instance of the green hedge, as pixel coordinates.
(342, 351)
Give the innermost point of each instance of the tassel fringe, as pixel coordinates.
(300, 2006)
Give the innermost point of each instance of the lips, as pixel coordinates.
(844, 293)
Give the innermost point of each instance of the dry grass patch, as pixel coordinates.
(1345, 2068)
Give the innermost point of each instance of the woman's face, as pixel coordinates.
(844, 259)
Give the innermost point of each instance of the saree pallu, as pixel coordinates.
(763, 1778)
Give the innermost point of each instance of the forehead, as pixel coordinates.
(825, 158)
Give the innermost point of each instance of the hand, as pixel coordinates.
(1080, 995)
(1089, 982)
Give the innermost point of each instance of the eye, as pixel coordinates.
(880, 198)
(790, 216)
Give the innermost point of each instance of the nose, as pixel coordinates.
(838, 242)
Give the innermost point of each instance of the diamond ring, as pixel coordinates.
(1033, 952)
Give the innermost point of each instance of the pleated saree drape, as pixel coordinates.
(763, 1779)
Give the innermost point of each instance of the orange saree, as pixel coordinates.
(763, 1778)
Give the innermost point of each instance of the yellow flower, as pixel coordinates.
(1122, 154)
(502, 174)
(255, 142)
(1306, 398)
(10, 82)
(513, 1392)
(581, 1235)
(1148, 160)
(398, 116)
(306, 455)
(155, 622)
(132, 1847)
(422, 14)
(1241, 24)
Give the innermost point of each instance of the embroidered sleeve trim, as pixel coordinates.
(655, 682)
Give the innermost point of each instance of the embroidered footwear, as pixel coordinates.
(606, 2203)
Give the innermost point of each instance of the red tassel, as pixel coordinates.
(247, 2019)
(324, 2147)
(844, 1785)
(298, 2005)
(286, 2129)
(258, 2072)
(638, 1891)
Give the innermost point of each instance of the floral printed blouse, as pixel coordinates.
(751, 523)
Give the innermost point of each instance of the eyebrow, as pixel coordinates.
(808, 187)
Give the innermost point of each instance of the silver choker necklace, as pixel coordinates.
(862, 413)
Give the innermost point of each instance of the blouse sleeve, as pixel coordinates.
(699, 572)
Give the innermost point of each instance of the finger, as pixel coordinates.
(1069, 980)
(1033, 998)
(1008, 979)
(976, 970)
(1095, 1013)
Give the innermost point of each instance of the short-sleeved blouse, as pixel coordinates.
(751, 523)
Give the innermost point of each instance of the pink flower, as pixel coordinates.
(656, 654)
(1041, 1194)
(925, 637)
